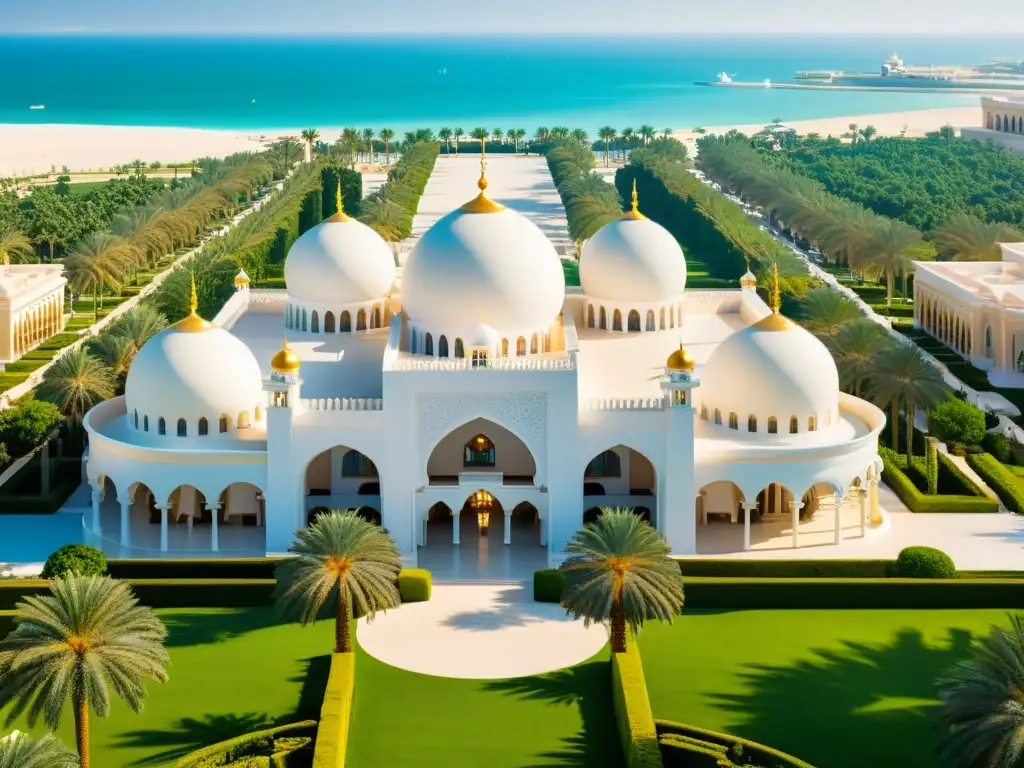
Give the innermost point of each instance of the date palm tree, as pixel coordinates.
(627, 140)
(497, 134)
(480, 134)
(138, 325)
(444, 133)
(560, 132)
(344, 557)
(386, 135)
(517, 135)
(384, 217)
(966, 238)
(542, 135)
(15, 247)
(19, 750)
(309, 138)
(367, 134)
(618, 570)
(97, 262)
(578, 134)
(857, 348)
(607, 134)
(458, 133)
(904, 379)
(647, 133)
(892, 248)
(88, 633)
(826, 312)
(666, 132)
(75, 382)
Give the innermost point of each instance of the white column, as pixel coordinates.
(508, 526)
(455, 526)
(163, 526)
(865, 510)
(749, 508)
(794, 510)
(97, 497)
(126, 512)
(839, 527)
(214, 530)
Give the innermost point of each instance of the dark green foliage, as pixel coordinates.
(390, 210)
(227, 568)
(956, 492)
(351, 190)
(414, 585)
(590, 202)
(998, 445)
(924, 563)
(268, 742)
(957, 421)
(784, 569)
(1007, 486)
(27, 425)
(931, 459)
(311, 212)
(548, 586)
(75, 558)
(214, 278)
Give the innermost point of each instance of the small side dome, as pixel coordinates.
(680, 360)
(241, 279)
(749, 280)
(285, 360)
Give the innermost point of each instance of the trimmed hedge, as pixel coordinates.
(786, 569)
(924, 563)
(332, 733)
(633, 715)
(258, 743)
(677, 736)
(548, 585)
(916, 501)
(414, 585)
(224, 568)
(1007, 486)
(164, 593)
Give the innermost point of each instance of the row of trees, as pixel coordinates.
(389, 211)
(590, 202)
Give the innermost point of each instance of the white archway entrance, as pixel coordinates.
(620, 477)
(342, 478)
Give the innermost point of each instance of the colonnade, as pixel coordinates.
(1005, 123)
(951, 323)
(35, 323)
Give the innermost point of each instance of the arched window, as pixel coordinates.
(243, 420)
(533, 344)
(603, 319)
(345, 323)
(459, 349)
(661, 324)
(136, 419)
(703, 412)
(361, 320)
(412, 341)
(145, 423)
(773, 425)
(355, 464)
(633, 321)
(751, 423)
(734, 421)
(478, 452)
(590, 316)
(428, 345)
(223, 423)
(329, 322)
(504, 347)
(606, 464)
(375, 322)
(204, 426)
(617, 321)
(520, 346)
(314, 322)
(650, 320)
(442, 346)
(812, 424)
(989, 123)
(182, 428)
(794, 425)
(718, 416)
(161, 426)
(999, 122)
(303, 319)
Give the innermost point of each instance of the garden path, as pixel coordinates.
(481, 632)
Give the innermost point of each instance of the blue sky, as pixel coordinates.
(342, 17)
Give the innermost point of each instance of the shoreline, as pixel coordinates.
(31, 149)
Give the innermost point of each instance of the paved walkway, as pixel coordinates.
(481, 632)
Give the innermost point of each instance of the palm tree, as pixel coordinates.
(904, 378)
(627, 140)
(19, 750)
(607, 134)
(368, 140)
(893, 247)
(99, 261)
(981, 699)
(384, 217)
(91, 629)
(542, 135)
(481, 134)
(618, 569)
(445, 134)
(386, 135)
(560, 132)
(857, 348)
(75, 382)
(458, 133)
(967, 238)
(497, 134)
(578, 134)
(138, 325)
(647, 133)
(517, 135)
(14, 247)
(666, 132)
(309, 138)
(343, 555)
(868, 132)
(826, 311)
(116, 353)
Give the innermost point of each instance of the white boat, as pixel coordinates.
(38, 106)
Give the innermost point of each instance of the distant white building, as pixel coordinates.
(476, 405)
(1002, 120)
(31, 307)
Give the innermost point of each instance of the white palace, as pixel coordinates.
(478, 407)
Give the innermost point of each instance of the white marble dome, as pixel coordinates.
(773, 368)
(483, 263)
(339, 261)
(632, 259)
(191, 370)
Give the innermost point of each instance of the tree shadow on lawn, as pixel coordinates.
(189, 734)
(212, 626)
(588, 686)
(316, 670)
(850, 707)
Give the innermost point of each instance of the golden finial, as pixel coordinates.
(481, 183)
(482, 203)
(339, 213)
(634, 212)
(193, 299)
(775, 321)
(776, 294)
(193, 323)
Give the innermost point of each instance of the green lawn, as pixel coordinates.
(698, 277)
(840, 689)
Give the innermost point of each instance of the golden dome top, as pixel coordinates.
(339, 214)
(285, 360)
(680, 360)
(482, 203)
(775, 321)
(193, 323)
(748, 280)
(634, 212)
(241, 278)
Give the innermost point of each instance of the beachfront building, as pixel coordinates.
(31, 307)
(976, 308)
(1002, 121)
(480, 409)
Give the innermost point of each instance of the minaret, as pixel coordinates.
(284, 513)
(677, 507)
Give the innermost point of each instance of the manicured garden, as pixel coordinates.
(837, 688)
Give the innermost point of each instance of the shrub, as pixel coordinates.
(27, 425)
(632, 707)
(917, 501)
(234, 751)
(75, 558)
(548, 585)
(957, 421)
(1007, 486)
(998, 445)
(785, 569)
(414, 585)
(924, 563)
(738, 751)
(991, 420)
(332, 732)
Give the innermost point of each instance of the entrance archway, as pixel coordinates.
(481, 446)
(343, 478)
(620, 477)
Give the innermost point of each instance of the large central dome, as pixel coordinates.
(483, 261)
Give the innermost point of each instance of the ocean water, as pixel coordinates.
(409, 82)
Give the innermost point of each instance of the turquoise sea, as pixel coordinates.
(409, 82)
